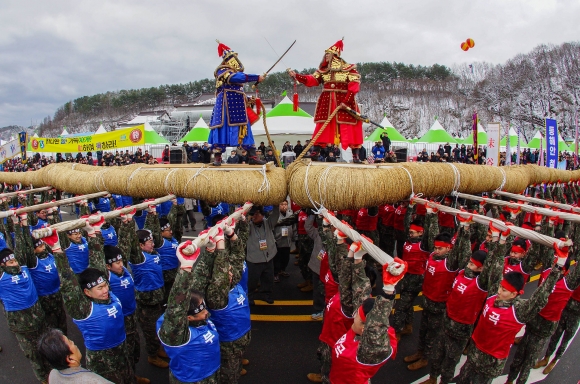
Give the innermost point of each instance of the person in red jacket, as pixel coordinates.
(354, 288)
(544, 323)
(567, 327)
(370, 342)
(366, 223)
(440, 271)
(400, 224)
(386, 229)
(465, 302)
(341, 83)
(446, 220)
(503, 316)
(416, 256)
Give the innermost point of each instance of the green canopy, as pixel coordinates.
(394, 135)
(437, 135)
(535, 143)
(286, 108)
(199, 132)
(513, 135)
(481, 137)
(152, 137)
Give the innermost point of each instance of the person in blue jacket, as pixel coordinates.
(231, 118)
(378, 152)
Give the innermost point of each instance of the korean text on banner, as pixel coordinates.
(493, 130)
(120, 138)
(9, 150)
(551, 143)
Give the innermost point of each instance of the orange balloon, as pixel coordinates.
(470, 42)
(464, 46)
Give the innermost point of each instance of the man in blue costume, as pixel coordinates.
(232, 118)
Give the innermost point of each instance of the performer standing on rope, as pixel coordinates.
(341, 82)
(230, 122)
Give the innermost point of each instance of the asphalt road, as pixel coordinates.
(282, 352)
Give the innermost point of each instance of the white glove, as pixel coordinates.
(357, 249)
(187, 253)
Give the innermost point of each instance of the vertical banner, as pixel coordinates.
(576, 143)
(541, 150)
(474, 133)
(518, 148)
(551, 143)
(508, 149)
(493, 130)
(23, 141)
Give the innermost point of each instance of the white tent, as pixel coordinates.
(284, 125)
(64, 132)
(100, 130)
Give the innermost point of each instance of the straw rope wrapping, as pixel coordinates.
(74, 224)
(268, 136)
(521, 232)
(524, 207)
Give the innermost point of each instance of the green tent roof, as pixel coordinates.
(394, 135)
(535, 143)
(513, 135)
(286, 108)
(199, 132)
(436, 134)
(481, 137)
(152, 137)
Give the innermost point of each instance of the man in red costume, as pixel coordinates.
(341, 82)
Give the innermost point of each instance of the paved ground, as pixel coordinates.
(282, 352)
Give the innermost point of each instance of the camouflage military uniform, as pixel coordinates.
(483, 368)
(217, 296)
(566, 329)
(432, 318)
(52, 305)
(411, 285)
(175, 328)
(354, 288)
(113, 363)
(155, 228)
(28, 325)
(456, 335)
(538, 330)
(387, 238)
(149, 303)
(133, 342)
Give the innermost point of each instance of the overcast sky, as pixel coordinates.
(54, 51)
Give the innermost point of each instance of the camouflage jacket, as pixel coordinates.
(375, 344)
(175, 327)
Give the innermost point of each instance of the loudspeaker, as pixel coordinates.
(401, 154)
(177, 155)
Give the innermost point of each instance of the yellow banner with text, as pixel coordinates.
(101, 142)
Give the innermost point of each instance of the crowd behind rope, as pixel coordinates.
(192, 302)
(203, 153)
